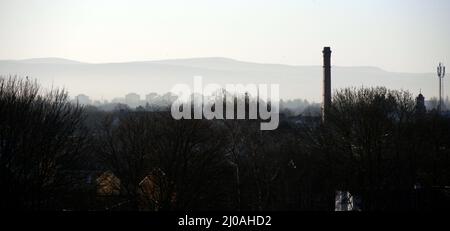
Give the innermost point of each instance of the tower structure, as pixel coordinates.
(441, 75)
(326, 82)
(420, 104)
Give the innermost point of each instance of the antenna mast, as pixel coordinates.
(441, 75)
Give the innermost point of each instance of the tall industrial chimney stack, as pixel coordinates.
(326, 82)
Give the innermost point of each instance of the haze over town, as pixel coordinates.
(113, 80)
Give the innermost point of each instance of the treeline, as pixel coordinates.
(55, 155)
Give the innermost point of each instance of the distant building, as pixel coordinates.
(133, 100)
(150, 98)
(97, 103)
(118, 100)
(167, 99)
(140, 108)
(83, 99)
(420, 104)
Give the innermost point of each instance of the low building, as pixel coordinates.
(83, 99)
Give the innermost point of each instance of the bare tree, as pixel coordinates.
(163, 163)
(41, 140)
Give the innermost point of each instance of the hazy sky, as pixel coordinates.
(397, 35)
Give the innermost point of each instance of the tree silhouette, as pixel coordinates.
(41, 140)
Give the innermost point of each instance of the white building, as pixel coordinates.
(118, 100)
(132, 100)
(82, 99)
(150, 98)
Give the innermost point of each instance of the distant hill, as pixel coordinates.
(47, 61)
(110, 80)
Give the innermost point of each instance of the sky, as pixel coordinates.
(396, 35)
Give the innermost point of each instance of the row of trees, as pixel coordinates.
(373, 145)
(382, 149)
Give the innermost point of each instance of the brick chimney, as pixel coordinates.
(326, 82)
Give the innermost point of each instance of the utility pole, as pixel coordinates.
(441, 75)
